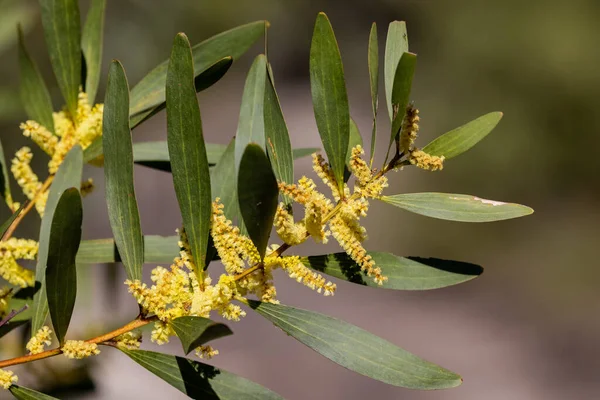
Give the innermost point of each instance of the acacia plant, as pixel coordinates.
(230, 198)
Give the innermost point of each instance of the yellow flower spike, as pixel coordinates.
(230, 244)
(161, 333)
(7, 378)
(313, 220)
(359, 167)
(295, 192)
(323, 171)
(206, 352)
(21, 249)
(78, 349)
(129, 341)
(301, 273)
(41, 339)
(410, 129)
(290, 232)
(426, 161)
(13, 273)
(62, 124)
(62, 148)
(24, 175)
(40, 135)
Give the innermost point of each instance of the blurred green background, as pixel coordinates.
(529, 327)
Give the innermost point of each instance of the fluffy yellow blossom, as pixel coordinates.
(290, 232)
(41, 339)
(40, 135)
(12, 272)
(359, 167)
(410, 129)
(323, 171)
(7, 378)
(5, 296)
(24, 175)
(301, 273)
(79, 349)
(206, 352)
(21, 249)
(426, 161)
(130, 340)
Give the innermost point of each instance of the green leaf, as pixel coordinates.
(396, 44)
(356, 349)
(157, 250)
(150, 91)
(67, 176)
(4, 180)
(224, 183)
(457, 207)
(304, 152)
(330, 100)
(93, 151)
(91, 45)
(355, 140)
(156, 154)
(203, 81)
(62, 30)
(257, 194)
(461, 139)
(410, 273)
(15, 13)
(118, 173)
(32, 88)
(196, 331)
(251, 125)
(187, 152)
(11, 326)
(279, 148)
(373, 59)
(401, 91)
(61, 273)
(23, 393)
(198, 380)
(4, 227)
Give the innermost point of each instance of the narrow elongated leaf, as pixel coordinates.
(187, 151)
(118, 173)
(396, 44)
(330, 100)
(11, 326)
(32, 88)
(374, 82)
(91, 45)
(257, 194)
(304, 152)
(61, 273)
(156, 154)
(150, 91)
(157, 250)
(196, 331)
(6, 224)
(23, 393)
(62, 31)
(279, 148)
(410, 273)
(224, 184)
(461, 139)
(401, 91)
(4, 180)
(67, 176)
(251, 125)
(203, 81)
(457, 207)
(198, 380)
(356, 349)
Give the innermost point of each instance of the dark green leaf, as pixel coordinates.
(32, 89)
(278, 143)
(157, 250)
(91, 45)
(251, 125)
(357, 349)
(118, 173)
(403, 273)
(187, 152)
(67, 176)
(4, 180)
(62, 30)
(61, 273)
(203, 81)
(396, 44)
(461, 139)
(196, 331)
(257, 194)
(11, 326)
(156, 154)
(374, 82)
(304, 152)
(401, 92)
(330, 100)
(10, 220)
(23, 393)
(457, 207)
(150, 91)
(198, 380)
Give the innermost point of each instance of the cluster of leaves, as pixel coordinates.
(243, 175)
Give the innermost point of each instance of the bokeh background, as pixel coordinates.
(528, 328)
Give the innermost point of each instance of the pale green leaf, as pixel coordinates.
(401, 91)
(4, 179)
(457, 207)
(61, 272)
(187, 151)
(198, 380)
(156, 154)
(357, 349)
(157, 250)
(6, 224)
(329, 97)
(461, 139)
(68, 176)
(118, 173)
(23, 393)
(304, 152)
(396, 44)
(91, 45)
(410, 273)
(373, 61)
(196, 331)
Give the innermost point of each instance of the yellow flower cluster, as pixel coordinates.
(130, 340)
(410, 129)
(426, 161)
(27, 179)
(12, 250)
(7, 379)
(79, 349)
(206, 352)
(41, 339)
